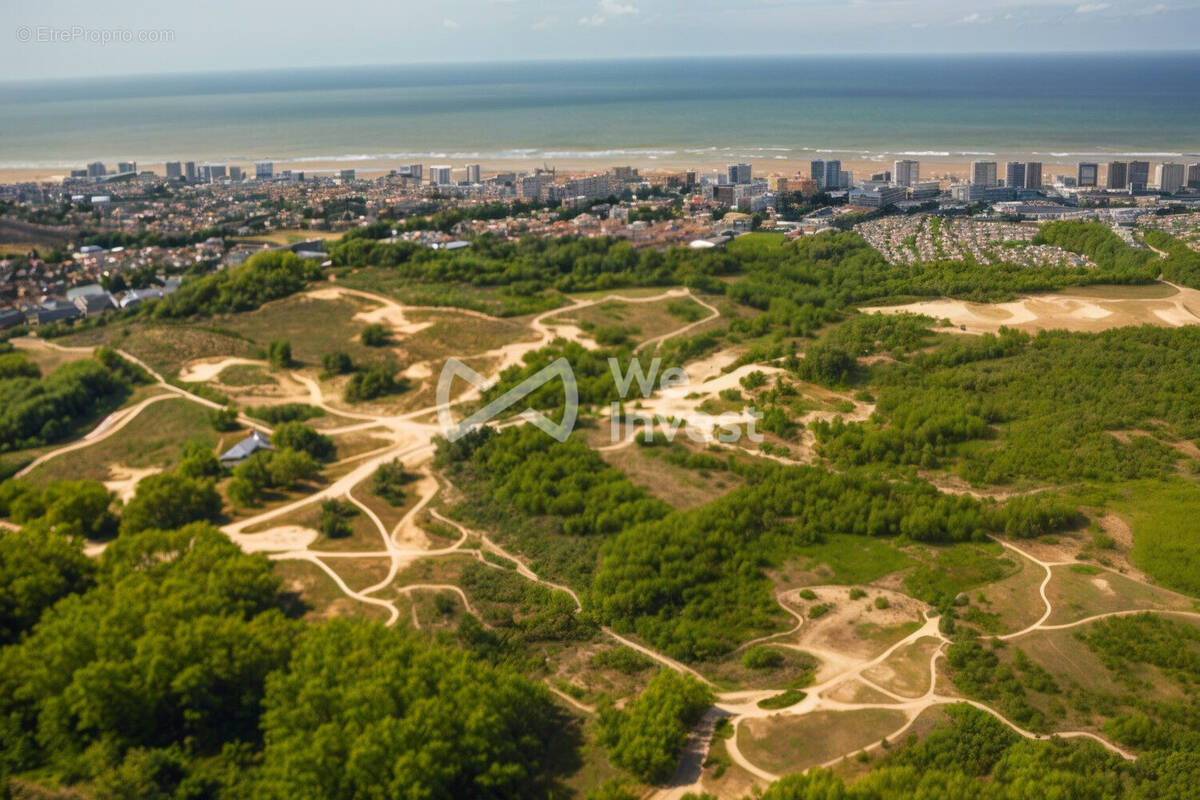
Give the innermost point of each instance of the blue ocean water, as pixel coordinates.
(956, 107)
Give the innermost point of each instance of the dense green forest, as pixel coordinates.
(1046, 404)
(36, 410)
(173, 669)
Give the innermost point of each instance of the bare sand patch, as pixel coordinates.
(275, 540)
(206, 369)
(123, 481)
(1088, 313)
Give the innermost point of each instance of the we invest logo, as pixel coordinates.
(726, 427)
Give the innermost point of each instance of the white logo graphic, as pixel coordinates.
(558, 368)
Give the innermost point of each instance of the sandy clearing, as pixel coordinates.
(276, 540)
(1057, 311)
(206, 369)
(123, 480)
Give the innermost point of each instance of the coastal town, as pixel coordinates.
(107, 238)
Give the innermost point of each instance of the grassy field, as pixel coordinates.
(906, 672)
(786, 744)
(1163, 516)
(318, 595)
(151, 440)
(638, 321)
(47, 357)
(677, 485)
(167, 347)
(1080, 591)
(844, 559)
(1011, 603)
(490, 300)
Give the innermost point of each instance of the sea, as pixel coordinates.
(949, 108)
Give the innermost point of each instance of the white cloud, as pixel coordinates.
(1091, 8)
(544, 24)
(449, 23)
(974, 18)
(615, 8)
(594, 20)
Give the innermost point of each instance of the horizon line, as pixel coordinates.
(88, 78)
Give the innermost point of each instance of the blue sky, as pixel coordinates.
(65, 38)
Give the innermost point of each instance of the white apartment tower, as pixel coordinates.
(1171, 177)
(906, 173)
(983, 173)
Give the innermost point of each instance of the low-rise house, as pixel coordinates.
(55, 310)
(244, 449)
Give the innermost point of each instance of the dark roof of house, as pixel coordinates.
(247, 447)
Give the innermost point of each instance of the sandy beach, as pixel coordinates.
(938, 168)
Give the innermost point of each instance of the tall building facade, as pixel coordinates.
(1193, 176)
(1171, 177)
(473, 173)
(907, 172)
(1033, 175)
(1139, 176)
(264, 170)
(1088, 175)
(1014, 174)
(126, 166)
(96, 169)
(174, 169)
(738, 173)
(439, 175)
(1118, 175)
(983, 173)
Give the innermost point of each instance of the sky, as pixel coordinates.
(78, 38)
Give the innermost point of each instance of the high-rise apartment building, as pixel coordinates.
(96, 169)
(907, 172)
(1033, 175)
(473, 173)
(1088, 175)
(1014, 174)
(189, 171)
(126, 166)
(264, 170)
(1118, 175)
(174, 170)
(439, 175)
(235, 174)
(738, 173)
(1171, 177)
(1139, 176)
(983, 173)
(1193, 176)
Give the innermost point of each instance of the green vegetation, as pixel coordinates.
(1054, 397)
(389, 480)
(382, 692)
(782, 700)
(377, 381)
(375, 335)
(38, 567)
(263, 277)
(270, 469)
(286, 412)
(301, 438)
(335, 518)
(279, 354)
(646, 737)
(37, 411)
(70, 507)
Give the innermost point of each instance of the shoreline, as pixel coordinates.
(936, 167)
